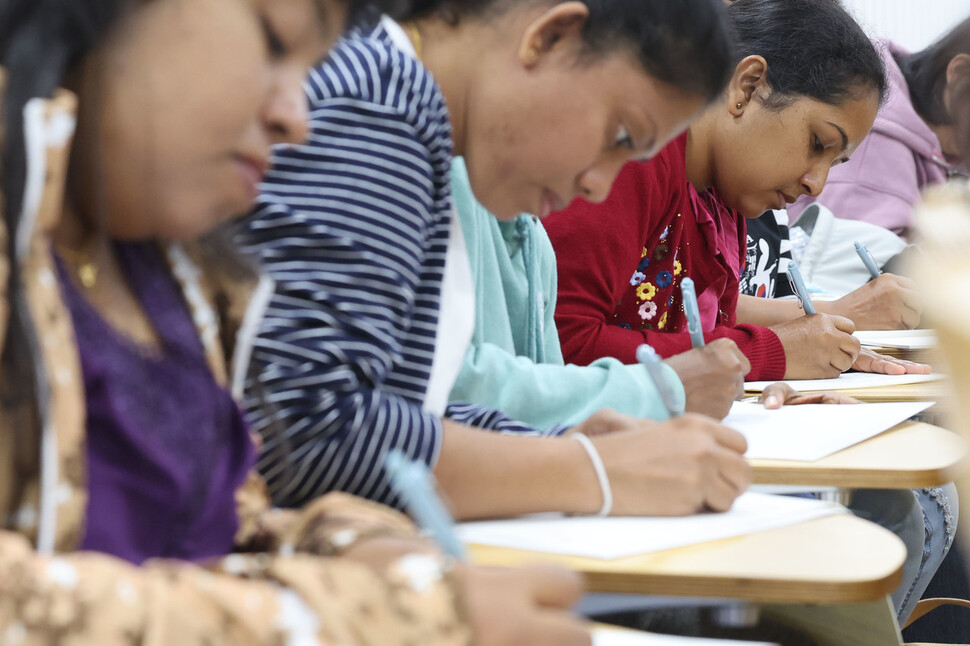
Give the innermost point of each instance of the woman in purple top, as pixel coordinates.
(914, 142)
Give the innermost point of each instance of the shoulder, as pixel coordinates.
(368, 69)
(663, 176)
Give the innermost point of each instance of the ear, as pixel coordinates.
(750, 76)
(959, 65)
(559, 22)
(957, 68)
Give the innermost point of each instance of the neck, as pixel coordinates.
(445, 56)
(945, 137)
(73, 231)
(700, 160)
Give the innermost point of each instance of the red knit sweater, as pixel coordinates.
(621, 263)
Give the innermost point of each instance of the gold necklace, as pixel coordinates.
(412, 28)
(87, 270)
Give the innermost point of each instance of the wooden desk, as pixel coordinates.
(927, 391)
(837, 559)
(910, 456)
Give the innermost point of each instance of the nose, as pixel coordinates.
(284, 113)
(596, 181)
(814, 180)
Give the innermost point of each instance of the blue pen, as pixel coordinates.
(798, 284)
(867, 259)
(693, 313)
(650, 360)
(415, 485)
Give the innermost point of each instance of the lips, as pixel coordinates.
(783, 200)
(548, 203)
(251, 171)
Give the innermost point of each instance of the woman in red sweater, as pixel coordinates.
(784, 121)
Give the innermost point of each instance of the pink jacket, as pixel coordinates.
(882, 181)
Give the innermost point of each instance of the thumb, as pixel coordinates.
(550, 586)
(776, 394)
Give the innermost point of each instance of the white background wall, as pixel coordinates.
(911, 23)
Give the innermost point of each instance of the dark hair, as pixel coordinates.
(813, 48)
(684, 43)
(925, 73)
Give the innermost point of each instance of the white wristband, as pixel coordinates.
(604, 480)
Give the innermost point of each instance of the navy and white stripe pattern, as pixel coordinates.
(353, 226)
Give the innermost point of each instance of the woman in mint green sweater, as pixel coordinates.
(515, 363)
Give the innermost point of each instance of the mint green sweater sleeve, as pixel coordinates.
(515, 363)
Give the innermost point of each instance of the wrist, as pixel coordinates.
(827, 307)
(602, 478)
(581, 490)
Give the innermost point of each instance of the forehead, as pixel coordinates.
(628, 84)
(311, 17)
(854, 116)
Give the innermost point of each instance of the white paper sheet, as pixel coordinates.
(611, 538)
(614, 637)
(812, 431)
(899, 339)
(846, 381)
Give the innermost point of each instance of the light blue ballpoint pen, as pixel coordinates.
(798, 284)
(693, 313)
(650, 360)
(413, 482)
(867, 259)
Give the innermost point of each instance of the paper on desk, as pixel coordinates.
(611, 538)
(810, 432)
(616, 637)
(899, 339)
(847, 381)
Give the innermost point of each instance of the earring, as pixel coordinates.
(738, 105)
(533, 54)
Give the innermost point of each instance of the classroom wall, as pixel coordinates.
(912, 23)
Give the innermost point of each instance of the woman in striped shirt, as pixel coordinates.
(373, 309)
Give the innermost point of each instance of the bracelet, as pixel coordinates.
(604, 480)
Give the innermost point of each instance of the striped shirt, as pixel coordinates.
(354, 226)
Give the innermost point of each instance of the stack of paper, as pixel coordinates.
(846, 381)
(611, 538)
(898, 339)
(618, 637)
(810, 432)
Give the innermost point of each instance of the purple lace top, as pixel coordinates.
(167, 446)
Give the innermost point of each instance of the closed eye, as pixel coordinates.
(277, 49)
(623, 139)
(817, 146)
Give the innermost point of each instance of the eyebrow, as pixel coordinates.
(845, 137)
(321, 12)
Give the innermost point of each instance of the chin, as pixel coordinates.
(503, 212)
(754, 215)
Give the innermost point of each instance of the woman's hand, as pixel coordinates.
(817, 346)
(682, 466)
(781, 394)
(888, 302)
(528, 605)
(872, 361)
(713, 377)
